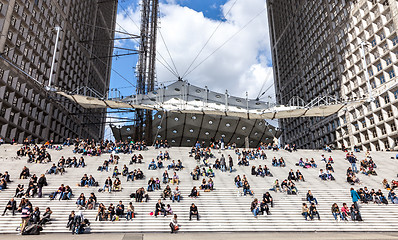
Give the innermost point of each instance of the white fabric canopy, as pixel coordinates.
(184, 98)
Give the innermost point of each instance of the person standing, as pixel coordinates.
(26, 212)
(223, 163)
(41, 183)
(355, 197)
(231, 163)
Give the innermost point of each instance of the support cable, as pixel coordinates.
(171, 58)
(208, 40)
(229, 39)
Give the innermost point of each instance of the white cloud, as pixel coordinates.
(242, 64)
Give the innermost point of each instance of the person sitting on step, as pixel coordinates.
(299, 176)
(276, 187)
(291, 175)
(255, 208)
(178, 166)
(194, 193)
(195, 173)
(175, 179)
(152, 165)
(167, 193)
(238, 182)
(336, 212)
(313, 164)
(53, 169)
(264, 208)
(329, 167)
(120, 209)
(108, 184)
(314, 212)
(117, 185)
(322, 175)
(355, 213)
(246, 189)
(305, 211)
(210, 172)
(84, 181)
(151, 185)
(176, 195)
(91, 202)
(125, 170)
(46, 217)
(160, 164)
(193, 211)
(172, 165)
(268, 199)
(345, 212)
(159, 208)
(81, 200)
(165, 177)
(311, 198)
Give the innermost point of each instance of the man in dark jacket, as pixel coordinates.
(268, 199)
(120, 209)
(11, 205)
(193, 210)
(40, 183)
(160, 208)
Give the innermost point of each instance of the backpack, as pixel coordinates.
(33, 229)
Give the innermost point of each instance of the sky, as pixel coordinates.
(222, 44)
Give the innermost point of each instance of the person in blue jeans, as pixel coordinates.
(160, 164)
(152, 165)
(91, 181)
(305, 211)
(81, 201)
(314, 212)
(246, 189)
(171, 165)
(238, 182)
(255, 207)
(84, 181)
(176, 195)
(67, 194)
(336, 212)
(131, 176)
(311, 198)
(151, 185)
(53, 169)
(108, 184)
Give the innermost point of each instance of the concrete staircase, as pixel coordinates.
(221, 209)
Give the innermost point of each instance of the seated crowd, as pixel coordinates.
(205, 171)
